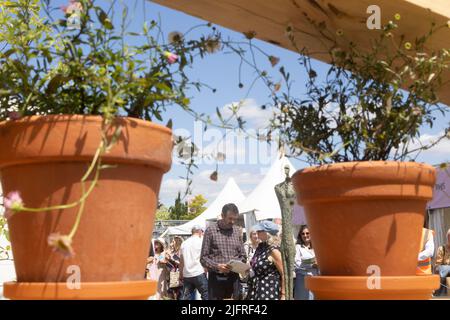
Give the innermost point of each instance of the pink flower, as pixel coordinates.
(14, 115)
(171, 57)
(13, 202)
(61, 244)
(73, 7)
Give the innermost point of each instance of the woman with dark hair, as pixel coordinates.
(305, 264)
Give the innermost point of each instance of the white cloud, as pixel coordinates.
(173, 184)
(243, 176)
(435, 155)
(442, 148)
(241, 149)
(246, 177)
(250, 112)
(170, 187)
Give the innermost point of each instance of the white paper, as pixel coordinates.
(238, 266)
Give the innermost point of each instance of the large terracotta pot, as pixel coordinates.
(45, 158)
(363, 214)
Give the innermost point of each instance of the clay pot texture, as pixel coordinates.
(45, 158)
(366, 215)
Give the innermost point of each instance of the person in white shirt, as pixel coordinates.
(305, 264)
(192, 272)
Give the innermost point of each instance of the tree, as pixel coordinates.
(182, 210)
(179, 210)
(162, 213)
(196, 207)
(196, 204)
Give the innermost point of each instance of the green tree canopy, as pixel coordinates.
(182, 210)
(196, 206)
(162, 213)
(179, 210)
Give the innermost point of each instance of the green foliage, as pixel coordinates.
(179, 210)
(183, 210)
(46, 67)
(4, 234)
(358, 111)
(162, 213)
(196, 207)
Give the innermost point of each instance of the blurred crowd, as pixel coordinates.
(222, 262)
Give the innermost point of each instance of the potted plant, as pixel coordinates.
(81, 162)
(365, 202)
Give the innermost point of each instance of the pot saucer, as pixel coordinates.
(371, 288)
(127, 290)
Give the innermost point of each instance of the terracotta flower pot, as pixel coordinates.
(45, 158)
(366, 213)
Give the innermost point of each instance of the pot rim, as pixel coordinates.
(359, 283)
(40, 139)
(365, 180)
(77, 117)
(362, 164)
(141, 289)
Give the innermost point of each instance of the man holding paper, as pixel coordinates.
(222, 243)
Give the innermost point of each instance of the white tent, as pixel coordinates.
(262, 202)
(230, 193)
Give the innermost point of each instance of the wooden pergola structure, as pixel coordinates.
(270, 19)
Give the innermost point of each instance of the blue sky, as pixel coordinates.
(221, 71)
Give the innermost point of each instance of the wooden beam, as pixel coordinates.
(269, 19)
